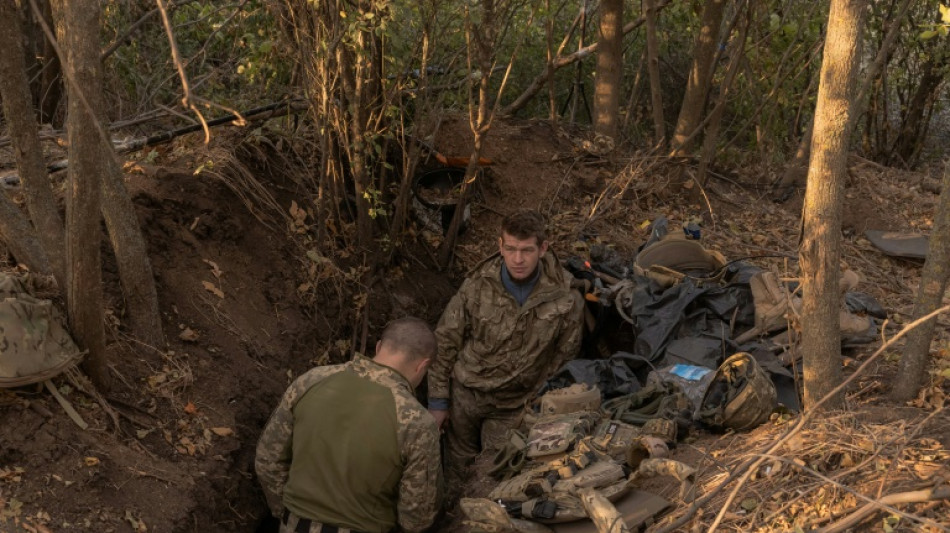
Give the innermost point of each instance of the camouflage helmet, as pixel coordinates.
(741, 395)
(35, 344)
(577, 397)
(674, 257)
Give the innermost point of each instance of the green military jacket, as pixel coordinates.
(488, 343)
(350, 446)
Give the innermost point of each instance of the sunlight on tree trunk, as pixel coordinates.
(933, 285)
(18, 110)
(609, 69)
(820, 252)
(700, 78)
(83, 236)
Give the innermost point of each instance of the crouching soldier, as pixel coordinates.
(350, 449)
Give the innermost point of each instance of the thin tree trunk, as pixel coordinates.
(909, 136)
(20, 237)
(560, 62)
(578, 76)
(18, 110)
(131, 252)
(609, 69)
(820, 252)
(125, 234)
(51, 84)
(700, 77)
(481, 40)
(711, 139)
(549, 66)
(796, 169)
(933, 285)
(653, 68)
(83, 237)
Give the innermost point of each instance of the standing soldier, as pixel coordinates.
(350, 449)
(511, 325)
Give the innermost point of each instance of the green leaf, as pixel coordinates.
(929, 34)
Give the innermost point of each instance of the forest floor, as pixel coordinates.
(248, 304)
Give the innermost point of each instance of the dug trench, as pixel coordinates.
(248, 303)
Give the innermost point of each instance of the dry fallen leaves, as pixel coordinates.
(213, 289)
(222, 431)
(188, 335)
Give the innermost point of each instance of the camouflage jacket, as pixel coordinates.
(417, 436)
(487, 342)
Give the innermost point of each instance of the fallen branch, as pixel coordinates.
(915, 496)
(258, 113)
(286, 107)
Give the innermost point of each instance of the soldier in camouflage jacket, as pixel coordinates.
(511, 325)
(350, 449)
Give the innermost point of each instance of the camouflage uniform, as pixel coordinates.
(415, 497)
(496, 353)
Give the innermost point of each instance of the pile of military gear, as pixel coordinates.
(573, 457)
(678, 304)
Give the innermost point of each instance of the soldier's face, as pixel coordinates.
(521, 255)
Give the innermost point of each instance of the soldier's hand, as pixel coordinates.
(440, 416)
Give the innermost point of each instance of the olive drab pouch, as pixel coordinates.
(34, 343)
(656, 400)
(555, 434)
(613, 437)
(741, 395)
(572, 399)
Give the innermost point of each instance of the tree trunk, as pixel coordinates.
(20, 237)
(700, 78)
(910, 135)
(653, 68)
(125, 235)
(711, 138)
(131, 252)
(933, 285)
(609, 69)
(18, 110)
(796, 170)
(83, 237)
(820, 252)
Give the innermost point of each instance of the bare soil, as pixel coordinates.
(246, 309)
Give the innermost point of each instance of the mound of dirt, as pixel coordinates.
(244, 314)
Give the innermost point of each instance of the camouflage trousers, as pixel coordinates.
(292, 523)
(475, 424)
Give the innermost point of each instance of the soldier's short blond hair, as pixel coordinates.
(524, 224)
(411, 336)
